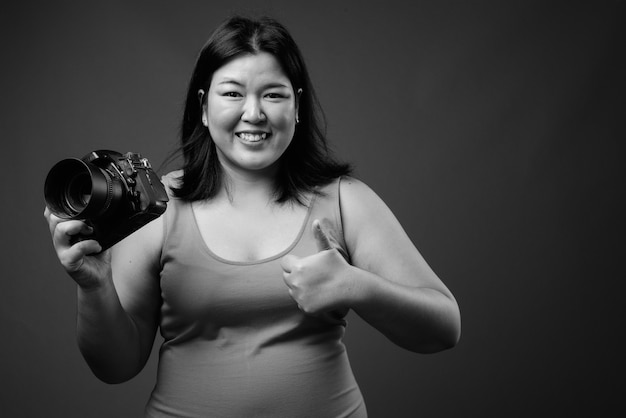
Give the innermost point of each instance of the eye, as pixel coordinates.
(231, 94)
(275, 96)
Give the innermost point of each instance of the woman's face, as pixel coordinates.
(251, 112)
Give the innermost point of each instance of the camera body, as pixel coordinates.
(115, 194)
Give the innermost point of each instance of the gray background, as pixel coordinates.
(494, 130)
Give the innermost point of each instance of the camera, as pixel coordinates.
(115, 194)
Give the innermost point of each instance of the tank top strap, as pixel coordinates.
(175, 229)
(327, 209)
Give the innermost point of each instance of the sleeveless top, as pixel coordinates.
(235, 342)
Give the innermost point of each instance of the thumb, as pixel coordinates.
(322, 238)
(325, 240)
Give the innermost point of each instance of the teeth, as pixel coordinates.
(252, 137)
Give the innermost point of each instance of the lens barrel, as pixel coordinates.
(75, 189)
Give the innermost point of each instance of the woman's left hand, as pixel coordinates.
(319, 283)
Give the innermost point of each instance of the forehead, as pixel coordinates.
(251, 68)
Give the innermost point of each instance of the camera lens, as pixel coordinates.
(75, 189)
(78, 192)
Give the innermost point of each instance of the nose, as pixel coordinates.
(252, 111)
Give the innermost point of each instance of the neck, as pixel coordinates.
(249, 187)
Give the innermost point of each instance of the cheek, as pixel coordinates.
(285, 128)
(222, 119)
(283, 119)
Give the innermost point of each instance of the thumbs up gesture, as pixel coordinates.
(319, 283)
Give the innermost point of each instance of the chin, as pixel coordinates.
(258, 166)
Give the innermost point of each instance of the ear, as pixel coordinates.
(298, 94)
(203, 106)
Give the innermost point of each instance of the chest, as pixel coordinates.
(249, 233)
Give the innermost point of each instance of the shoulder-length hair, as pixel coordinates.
(305, 164)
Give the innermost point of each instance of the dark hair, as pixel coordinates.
(305, 164)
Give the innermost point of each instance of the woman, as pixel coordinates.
(265, 246)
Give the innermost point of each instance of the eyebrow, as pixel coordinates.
(265, 86)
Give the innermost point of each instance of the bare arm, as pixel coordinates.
(118, 296)
(395, 290)
(388, 284)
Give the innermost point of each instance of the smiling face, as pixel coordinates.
(250, 112)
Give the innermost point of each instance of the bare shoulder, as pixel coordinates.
(376, 240)
(351, 184)
(353, 190)
(359, 202)
(365, 216)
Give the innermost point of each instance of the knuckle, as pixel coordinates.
(68, 261)
(299, 267)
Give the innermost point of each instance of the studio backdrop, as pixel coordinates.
(494, 131)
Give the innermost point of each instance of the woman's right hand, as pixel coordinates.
(82, 259)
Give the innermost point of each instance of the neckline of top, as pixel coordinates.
(280, 254)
